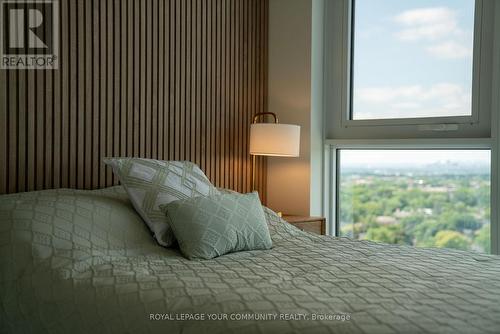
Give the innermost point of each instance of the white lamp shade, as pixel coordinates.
(274, 139)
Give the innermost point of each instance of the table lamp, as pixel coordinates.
(273, 139)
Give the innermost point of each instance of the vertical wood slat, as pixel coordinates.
(142, 80)
(4, 128)
(49, 124)
(203, 83)
(193, 156)
(96, 91)
(190, 19)
(12, 138)
(21, 164)
(236, 99)
(129, 133)
(244, 97)
(39, 129)
(102, 89)
(136, 80)
(56, 134)
(217, 81)
(117, 79)
(222, 93)
(109, 97)
(31, 112)
(80, 92)
(232, 129)
(227, 112)
(154, 79)
(209, 93)
(198, 84)
(147, 86)
(160, 77)
(39, 121)
(88, 94)
(213, 83)
(123, 110)
(181, 81)
(166, 78)
(173, 47)
(73, 93)
(242, 93)
(163, 79)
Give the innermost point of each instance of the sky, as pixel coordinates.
(415, 158)
(412, 58)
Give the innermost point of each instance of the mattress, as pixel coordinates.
(74, 261)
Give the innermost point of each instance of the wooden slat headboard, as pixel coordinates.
(172, 80)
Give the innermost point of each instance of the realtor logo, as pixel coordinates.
(29, 36)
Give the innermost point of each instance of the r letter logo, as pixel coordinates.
(29, 34)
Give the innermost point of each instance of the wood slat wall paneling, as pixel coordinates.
(162, 79)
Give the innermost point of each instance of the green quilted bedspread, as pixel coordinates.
(83, 262)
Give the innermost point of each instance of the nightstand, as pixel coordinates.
(308, 224)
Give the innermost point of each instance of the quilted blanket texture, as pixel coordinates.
(84, 262)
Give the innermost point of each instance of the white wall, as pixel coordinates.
(317, 182)
(289, 179)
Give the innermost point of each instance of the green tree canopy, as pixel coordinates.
(392, 234)
(451, 239)
(482, 238)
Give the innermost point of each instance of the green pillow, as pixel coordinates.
(211, 226)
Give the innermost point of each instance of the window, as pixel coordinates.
(411, 122)
(431, 198)
(409, 69)
(412, 59)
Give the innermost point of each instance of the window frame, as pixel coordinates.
(338, 61)
(332, 169)
(347, 120)
(335, 88)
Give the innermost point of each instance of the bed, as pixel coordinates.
(76, 261)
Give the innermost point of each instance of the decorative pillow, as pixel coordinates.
(207, 227)
(150, 183)
(272, 218)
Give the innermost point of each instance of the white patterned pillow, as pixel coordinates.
(150, 183)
